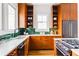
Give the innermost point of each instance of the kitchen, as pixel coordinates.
(35, 29)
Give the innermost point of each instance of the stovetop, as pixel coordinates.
(66, 45)
(74, 43)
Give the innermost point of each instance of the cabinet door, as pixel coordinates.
(65, 11)
(26, 46)
(73, 11)
(41, 42)
(35, 42)
(69, 11)
(22, 15)
(47, 42)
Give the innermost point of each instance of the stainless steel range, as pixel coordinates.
(66, 45)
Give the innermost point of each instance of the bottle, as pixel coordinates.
(51, 32)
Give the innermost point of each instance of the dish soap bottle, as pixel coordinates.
(51, 32)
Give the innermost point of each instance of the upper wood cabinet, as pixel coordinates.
(22, 15)
(30, 15)
(57, 19)
(73, 15)
(69, 11)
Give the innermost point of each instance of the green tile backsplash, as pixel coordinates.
(21, 32)
(32, 31)
(8, 36)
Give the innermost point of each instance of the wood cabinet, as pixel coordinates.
(35, 42)
(21, 51)
(41, 42)
(13, 53)
(48, 42)
(29, 15)
(75, 52)
(26, 46)
(57, 19)
(74, 13)
(69, 11)
(25, 15)
(22, 15)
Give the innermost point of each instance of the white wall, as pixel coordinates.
(78, 20)
(0, 16)
(42, 9)
(4, 16)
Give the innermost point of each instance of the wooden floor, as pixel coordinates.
(41, 53)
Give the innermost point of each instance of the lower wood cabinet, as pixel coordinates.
(13, 53)
(21, 51)
(35, 43)
(26, 47)
(47, 42)
(75, 52)
(41, 42)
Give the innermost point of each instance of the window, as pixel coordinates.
(11, 17)
(0, 16)
(42, 24)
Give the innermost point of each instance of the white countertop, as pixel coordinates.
(43, 35)
(66, 38)
(7, 46)
(76, 51)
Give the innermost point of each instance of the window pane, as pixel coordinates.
(11, 17)
(42, 22)
(42, 25)
(39, 18)
(42, 18)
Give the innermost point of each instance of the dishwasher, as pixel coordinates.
(20, 49)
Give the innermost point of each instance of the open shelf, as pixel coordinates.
(30, 15)
(55, 17)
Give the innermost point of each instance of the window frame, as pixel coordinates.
(42, 30)
(14, 18)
